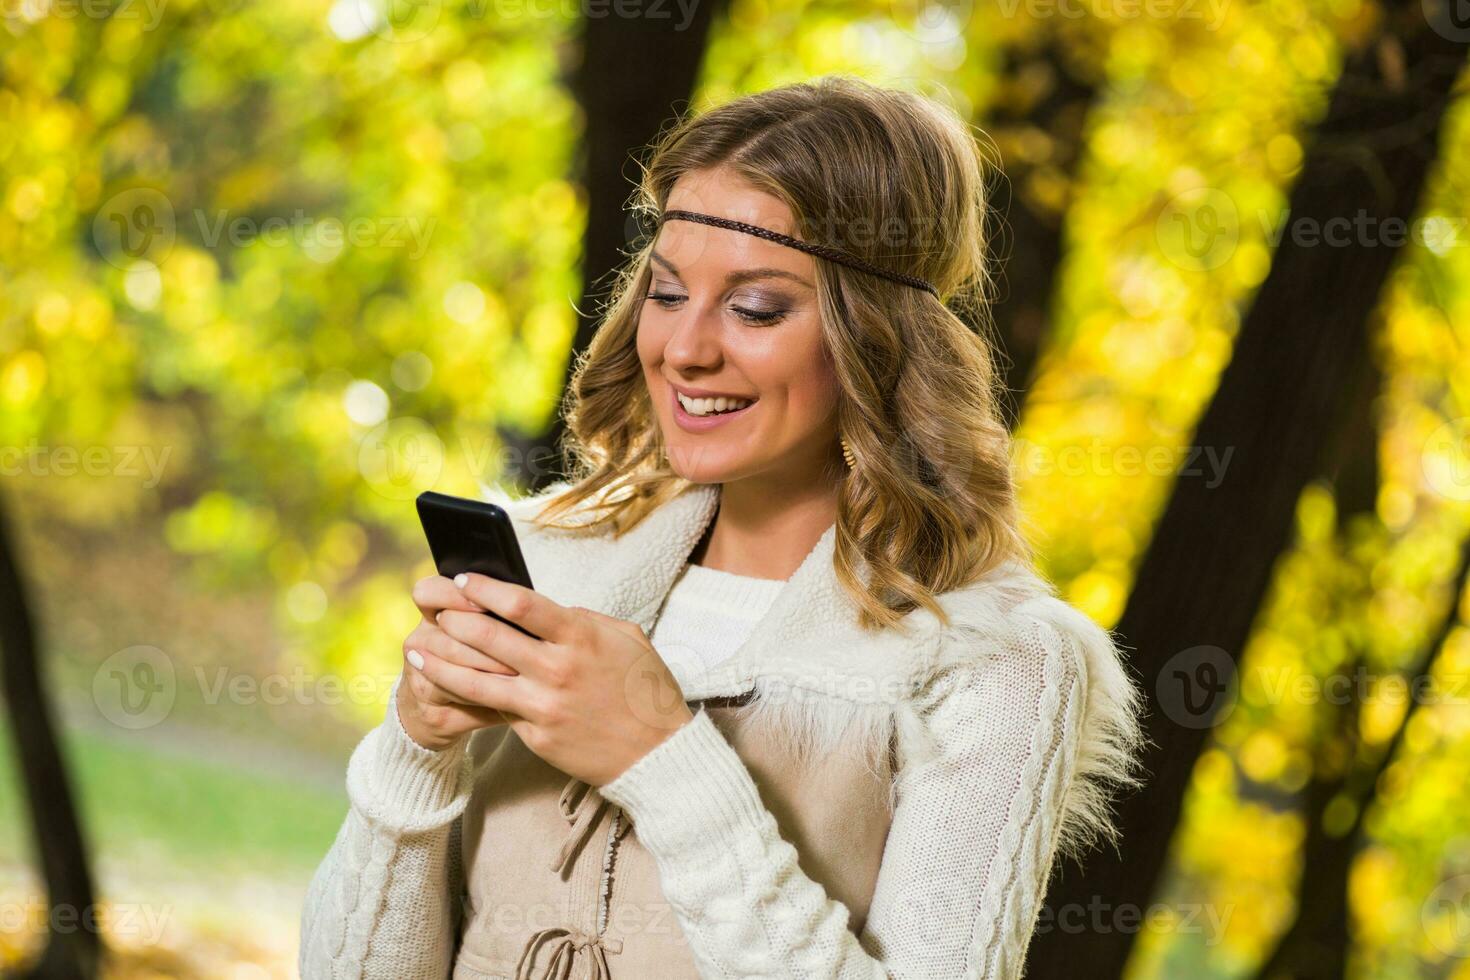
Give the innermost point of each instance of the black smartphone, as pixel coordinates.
(473, 536)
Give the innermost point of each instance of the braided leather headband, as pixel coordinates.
(824, 251)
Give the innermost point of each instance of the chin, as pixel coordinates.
(693, 463)
(704, 474)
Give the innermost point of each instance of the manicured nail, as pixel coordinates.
(416, 658)
(461, 580)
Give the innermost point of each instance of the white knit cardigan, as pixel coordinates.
(1014, 723)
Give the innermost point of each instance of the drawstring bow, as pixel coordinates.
(582, 806)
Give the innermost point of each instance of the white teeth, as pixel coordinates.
(707, 406)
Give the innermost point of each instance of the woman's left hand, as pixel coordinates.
(592, 695)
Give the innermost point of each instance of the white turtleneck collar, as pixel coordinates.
(708, 614)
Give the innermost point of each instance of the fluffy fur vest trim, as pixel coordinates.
(827, 685)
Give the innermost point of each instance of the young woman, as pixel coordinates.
(798, 704)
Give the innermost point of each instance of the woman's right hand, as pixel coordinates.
(430, 715)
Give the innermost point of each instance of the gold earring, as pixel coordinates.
(847, 454)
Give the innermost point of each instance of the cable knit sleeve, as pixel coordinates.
(975, 830)
(384, 902)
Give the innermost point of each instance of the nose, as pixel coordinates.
(695, 343)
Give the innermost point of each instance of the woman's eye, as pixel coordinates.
(670, 300)
(758, 316)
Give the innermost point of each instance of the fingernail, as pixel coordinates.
(461, 580)
(415, 658)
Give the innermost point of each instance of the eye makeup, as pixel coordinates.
(755, 316)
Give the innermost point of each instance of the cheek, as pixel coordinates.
(650, 341)
(814, 396)
(643, 341)
(810, 384)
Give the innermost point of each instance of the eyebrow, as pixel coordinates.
(740, 275)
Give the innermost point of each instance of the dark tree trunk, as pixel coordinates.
(72, 951)
(1316, 944)
(1354, 472)
(1317, 941)
(1043, 99)
(1285, 391)
(635, 73)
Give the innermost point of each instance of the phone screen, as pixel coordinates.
(473, 536)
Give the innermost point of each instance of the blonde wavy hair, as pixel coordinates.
(894, 178)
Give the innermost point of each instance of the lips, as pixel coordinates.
(703, 423)
(688, 392)
(711, 405)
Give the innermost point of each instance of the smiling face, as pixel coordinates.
(734, 315)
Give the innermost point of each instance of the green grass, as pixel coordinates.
(134, 797)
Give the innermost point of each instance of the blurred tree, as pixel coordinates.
(1285, 391)
(70, 953)
(1318, 940)
(1345, 777)
(1043, 94)
(623, 110)
(294, 380)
